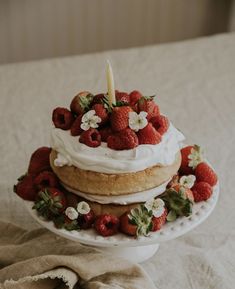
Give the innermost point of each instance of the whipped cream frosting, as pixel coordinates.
(105, 160)
(140, 197)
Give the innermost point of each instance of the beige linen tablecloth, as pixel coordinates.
(195, 86)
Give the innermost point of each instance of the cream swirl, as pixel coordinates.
(105, 160)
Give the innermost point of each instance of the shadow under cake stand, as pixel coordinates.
(135, 249)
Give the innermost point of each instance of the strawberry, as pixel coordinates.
(90, 137)
(126, 226)
(123, 140)
(122, 97)
(25, 188)
(75, 129)
(105, 133)
(191, 157)
(40, 161)
(81, 102)
(86, 221)
(204, 173)
(135, 95)
(98, 98)
(149, 135)
(46, 179)
(50, 202)
(101, 112)
(201, 191)
(181, 189)
(158, 222)
(147, 104)
(62, 118)
(120, 117)
(160, 123)
(107, 225)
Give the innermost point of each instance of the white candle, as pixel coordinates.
(110, 83)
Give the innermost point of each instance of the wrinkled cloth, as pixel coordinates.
(194, 83)
(40, 259)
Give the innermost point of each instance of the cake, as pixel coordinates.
(116, 167)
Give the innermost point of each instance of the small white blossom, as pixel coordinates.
(157, 206)
(196, 156)
(137, 121)
(83, 208)
(90, 120)
(187, 181)
(71, 213)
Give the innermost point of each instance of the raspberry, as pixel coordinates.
(149, 135)
(205, 173)
(90, 137)
(107, 225)
(46, 179)
(123, 140)
(75, 129)
(135, 95)
(101, 112)
(126, 226)
(160, 123)
(158, 222)
(120, 117)
(25, 188)
(122, 97)
(201, 191)
(40, 161)
(62, 118)
(86, 221)
(105, 133)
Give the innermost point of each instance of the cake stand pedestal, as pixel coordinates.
(135, 249)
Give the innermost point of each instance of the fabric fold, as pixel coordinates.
(40, 259)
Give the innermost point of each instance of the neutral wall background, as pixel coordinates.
(33, 29)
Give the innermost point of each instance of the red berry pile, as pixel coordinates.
(206, 178)
(113, 127)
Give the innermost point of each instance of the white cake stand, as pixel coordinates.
(135, 249)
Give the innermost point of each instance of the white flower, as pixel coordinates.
(90, 119)
(157, 206)
(71, 213)
(187, 181)
(83, 208)
(137, 121)
(195, 157)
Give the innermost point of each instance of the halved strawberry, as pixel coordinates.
(46, 179)
(90, 137)
(160, 123)
(105, 133)
(40, 161)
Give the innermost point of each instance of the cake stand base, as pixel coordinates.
(136, 254)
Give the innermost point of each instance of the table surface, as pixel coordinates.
(195, 86)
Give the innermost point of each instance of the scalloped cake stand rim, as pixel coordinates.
(169, 231)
